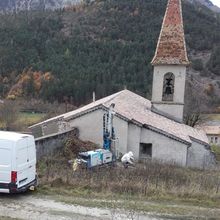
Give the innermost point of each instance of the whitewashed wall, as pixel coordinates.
(134, 139)
(164, 148)
(91, 129)
(121, 131)
(90, 126)
(199, 157)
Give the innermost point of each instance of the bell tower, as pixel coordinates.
(170, 62)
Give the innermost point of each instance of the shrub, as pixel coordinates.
(197, 65)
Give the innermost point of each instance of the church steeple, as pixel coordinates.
(171, 48)
(170, 63)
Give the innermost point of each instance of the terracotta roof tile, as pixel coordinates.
(171, 48)
(134, 107)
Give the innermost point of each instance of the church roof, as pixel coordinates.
(171, 47)
(136, 109)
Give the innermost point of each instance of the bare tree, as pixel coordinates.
(195, 101)
(8, 114)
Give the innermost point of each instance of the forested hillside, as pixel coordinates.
(103, 46)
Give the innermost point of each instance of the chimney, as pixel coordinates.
(93, 96)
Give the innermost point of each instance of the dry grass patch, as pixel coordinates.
(150, 181)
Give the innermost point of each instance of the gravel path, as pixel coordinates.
(34, 207)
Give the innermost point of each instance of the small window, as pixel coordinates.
(145, 150)
(212, 139)
(216, 140)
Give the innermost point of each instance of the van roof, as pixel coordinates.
(12, 136)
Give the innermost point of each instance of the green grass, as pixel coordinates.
(216, 150)
(25, 120)
(30, 118)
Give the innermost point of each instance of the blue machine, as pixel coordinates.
(91, 158)
(96, 157)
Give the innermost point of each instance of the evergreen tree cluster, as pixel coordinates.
(103, 46)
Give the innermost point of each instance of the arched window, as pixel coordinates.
(168, 87)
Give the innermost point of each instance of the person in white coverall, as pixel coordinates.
(128, 159)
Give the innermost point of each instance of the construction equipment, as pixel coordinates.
(107, 154)
(108, 129)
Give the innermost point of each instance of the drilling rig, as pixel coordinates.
(108, 129)
(107, 153)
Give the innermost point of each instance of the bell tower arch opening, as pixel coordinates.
(168, 87)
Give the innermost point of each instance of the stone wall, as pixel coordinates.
(49, 146)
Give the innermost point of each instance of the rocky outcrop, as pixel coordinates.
(206, 3)
(21, 5)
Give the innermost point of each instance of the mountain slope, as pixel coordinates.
(102, 47)
(206, 3)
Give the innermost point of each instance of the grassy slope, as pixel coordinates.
(150, 182)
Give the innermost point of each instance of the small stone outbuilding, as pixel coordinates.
(213, 133)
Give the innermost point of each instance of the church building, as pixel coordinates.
(150, 129)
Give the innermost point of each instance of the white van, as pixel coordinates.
(17, 162)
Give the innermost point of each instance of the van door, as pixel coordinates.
(26, 161)
(22, 162)
(32, 159)
(5, 161)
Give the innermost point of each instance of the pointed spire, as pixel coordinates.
(171, 47)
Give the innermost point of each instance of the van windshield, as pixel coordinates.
(5, 157)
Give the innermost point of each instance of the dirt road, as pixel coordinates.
(33, 207)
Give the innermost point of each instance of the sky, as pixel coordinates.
(216, 2)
